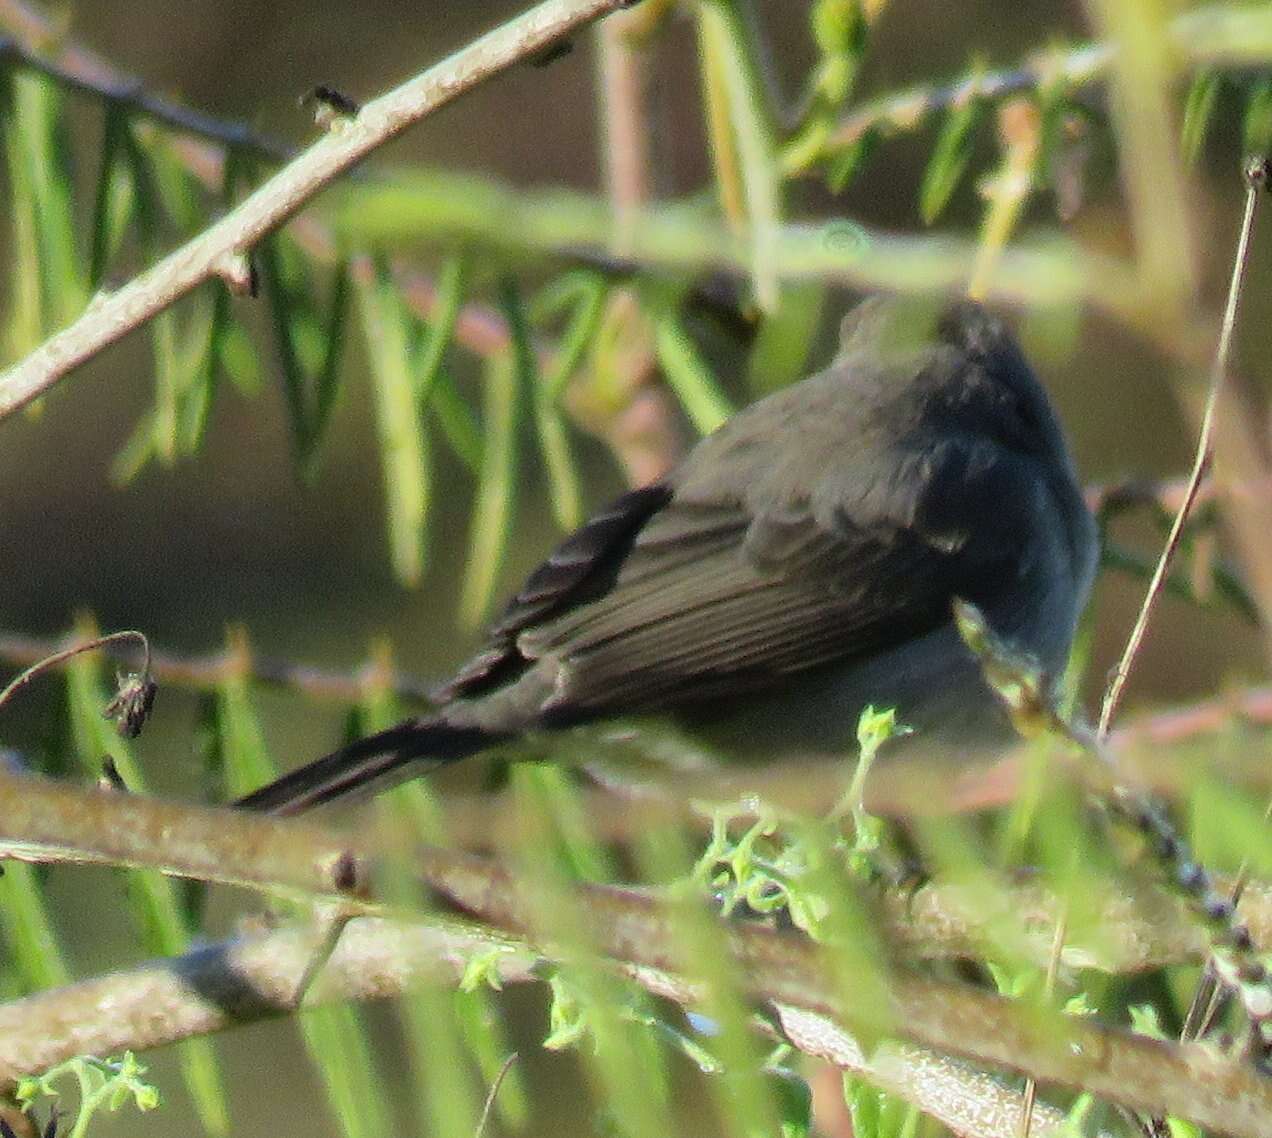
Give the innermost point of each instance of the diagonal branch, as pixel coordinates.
(219, 251)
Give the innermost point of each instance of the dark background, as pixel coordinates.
(234, 535)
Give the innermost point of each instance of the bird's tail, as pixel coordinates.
(375, 761)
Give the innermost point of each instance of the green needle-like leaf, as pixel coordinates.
(399, 426)
(689, 377)
(496, 488)
(949, 159)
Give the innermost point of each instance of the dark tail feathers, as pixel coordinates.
(374, 760)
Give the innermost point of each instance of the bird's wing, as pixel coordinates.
(676, 596)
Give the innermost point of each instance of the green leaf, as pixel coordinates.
(563, 483)
(27, 320)
(41, 119)
(845, 163)
(496, 486)
(238, 357)
(112, 198)
(28, 928)
(334, 1035)
(339, 1047)
(780, 353)
(458, 421)
(135, 453)
(723, 35)
(450, 298)
(1257, 128)
(50, 287)
(282, 306)
(403, 439)
(590, 294)
(688, 375)
(949, 158)
(1199, 109)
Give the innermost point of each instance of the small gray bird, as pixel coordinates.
(800, 563)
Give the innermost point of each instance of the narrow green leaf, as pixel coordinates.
(561, 295)
(328, 381)
(465, 1023)
(281, 308)
(1257, 127)
(845, 164)
(238, 357)
(622, 1055)
(28, 929)
(723, 31)
(458, 422)
(1199, 106)
(135, 453)
(334, 1035)
(554, 442)
(40, 110)
(27, 319)
(164, 333)
(743, 1097)
(780, 352)
(563, 479)
(450, 298)
(339, 1047)
(583, 325)
(689, 377)
(113, 190)
(404, 451)
(155, 901)
(203, 368)
(178, 191)
(496, 486)
(949, 158)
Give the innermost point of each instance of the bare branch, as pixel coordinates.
(110, 316)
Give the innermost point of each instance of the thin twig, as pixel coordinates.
(80, 70)
(1256, 178)
(111, 315)
(1048, 990)
(493, 1094)
(207, 673)
(56, 658)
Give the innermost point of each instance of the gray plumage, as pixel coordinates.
(798, 564)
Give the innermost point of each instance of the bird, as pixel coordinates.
(799, 564)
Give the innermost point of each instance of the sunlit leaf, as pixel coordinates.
(724, 34)
(1257, 126)
(29, 934)
(450, 298)
(848, 160)
(1199, 107)
(112, 196)
(403, 440)
(689, 377)
(780, 352)
(949, 159)
(458, 421)
(496, 486)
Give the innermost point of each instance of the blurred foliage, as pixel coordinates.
(534, 288)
